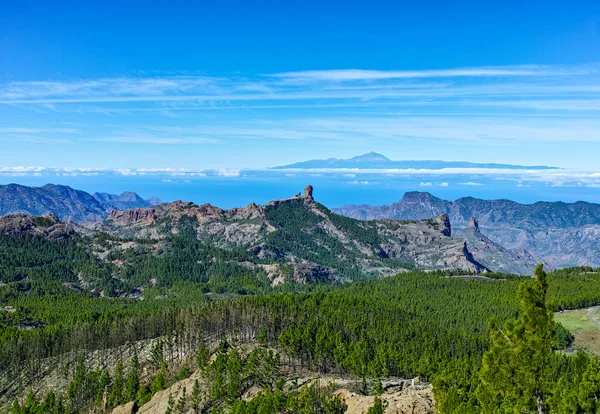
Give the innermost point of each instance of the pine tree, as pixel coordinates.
(203, 356)
(182, 402)
(515, 370)
(196, 397)
(171, 405)
(116, 393)
(159, 382)
(133, 382)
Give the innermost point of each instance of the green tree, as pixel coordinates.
(133, 382)
(116, 393)
(203, 356)
(159, 382)
(378, 406)
(181, 405)
(515, 370)
(196, 397)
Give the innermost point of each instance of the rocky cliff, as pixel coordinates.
(561, 234)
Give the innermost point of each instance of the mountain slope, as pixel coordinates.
(64, 202)
(242, 250)
(373, 160)
(562, 234)
(494, 256)
(316, 244)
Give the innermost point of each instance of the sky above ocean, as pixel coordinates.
(196, 100)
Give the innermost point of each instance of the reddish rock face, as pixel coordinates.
(137, 215)
(308, 191)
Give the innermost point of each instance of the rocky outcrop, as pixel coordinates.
(444, 221)
(399, 395)
(47, 226)
(317, 246)
(308, 192)
(137, 215)
(496, 257)
(473, 224)
(559, 234)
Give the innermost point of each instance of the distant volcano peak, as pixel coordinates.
(371, 156)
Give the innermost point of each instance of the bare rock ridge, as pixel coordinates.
(425, 244)
(47, 226)
(559, 234)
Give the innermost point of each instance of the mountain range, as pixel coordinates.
(65, 202)
(373, 160)
(291, 240)
(500, 235)
(561, 234)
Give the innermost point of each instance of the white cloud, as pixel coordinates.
(362, 182)
(502, 71)
(444, 184)
(471, 183)
(228, 173)
(425, 184)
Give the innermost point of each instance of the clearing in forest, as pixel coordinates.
(584, 324)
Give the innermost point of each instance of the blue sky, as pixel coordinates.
(179, 89)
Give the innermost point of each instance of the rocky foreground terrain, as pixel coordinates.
(560, 234)
(399, 396)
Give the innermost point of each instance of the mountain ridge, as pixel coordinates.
(562, 234)
(373, 160)
(65, 202)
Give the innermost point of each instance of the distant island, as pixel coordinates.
(373, 160)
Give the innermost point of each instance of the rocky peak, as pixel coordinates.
(47, 226)
(444, 221)
(474, 224)
(308, 192)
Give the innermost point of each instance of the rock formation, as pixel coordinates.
(308, 192)
(47, 226)
(474, 224)
(444, 221)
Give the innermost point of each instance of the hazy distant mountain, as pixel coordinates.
(65, 202)
(562, 234)
(373, 160)
(123, 201)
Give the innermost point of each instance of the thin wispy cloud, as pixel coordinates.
(490, 71)
(329, 85)
(490, 106)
